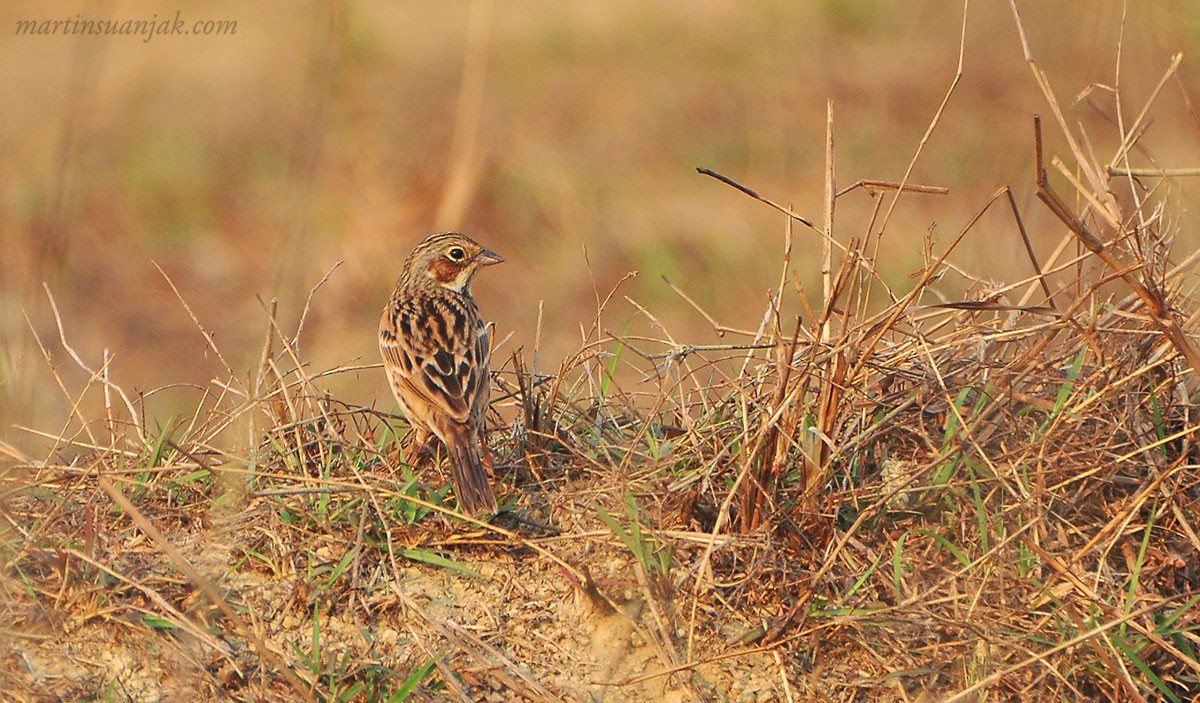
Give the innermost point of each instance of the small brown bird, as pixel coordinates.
(435, 352)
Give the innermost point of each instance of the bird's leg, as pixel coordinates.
(419, 446)
(486, 455)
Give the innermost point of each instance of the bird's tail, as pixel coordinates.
(471, 482)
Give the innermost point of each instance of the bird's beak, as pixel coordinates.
(487, 257)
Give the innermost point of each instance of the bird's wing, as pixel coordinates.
(483, 356)
(432, 352)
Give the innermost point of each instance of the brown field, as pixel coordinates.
(728, 476)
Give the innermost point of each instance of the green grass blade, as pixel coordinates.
(428, 557)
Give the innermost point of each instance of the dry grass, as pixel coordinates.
(898, 497)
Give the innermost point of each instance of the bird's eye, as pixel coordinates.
(456, 254)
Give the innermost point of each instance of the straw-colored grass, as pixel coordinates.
(897, 497)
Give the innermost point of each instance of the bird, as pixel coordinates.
(436, 352)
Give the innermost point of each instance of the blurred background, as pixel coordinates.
(248, 164)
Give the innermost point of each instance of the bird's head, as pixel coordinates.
(449, 260)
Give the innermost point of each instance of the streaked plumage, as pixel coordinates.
(435, 352)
